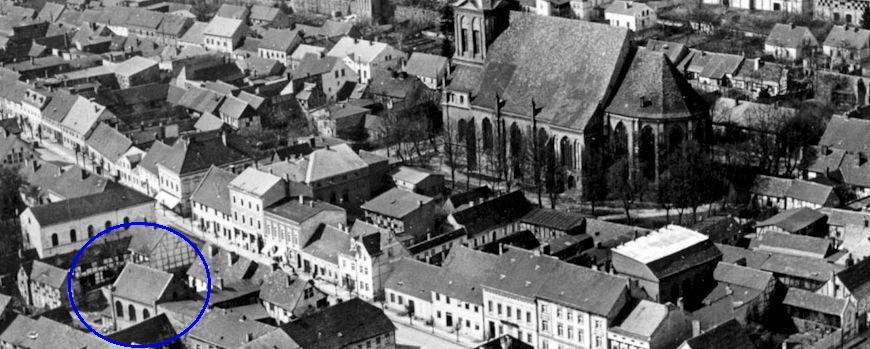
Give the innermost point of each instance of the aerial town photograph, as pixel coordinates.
(435, 174)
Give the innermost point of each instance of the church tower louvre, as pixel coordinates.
(477, 24)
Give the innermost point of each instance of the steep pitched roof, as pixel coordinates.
(734, 274)
(364, 51)
(426, 65)
(255, 182)
(339, 325)
(280, 39)
(49, 275)
(857, 278)
(327, 243)
(199, 152)
(804, 299)
(770, 186)
(264, 13)
(232, 11)
(643, 320)
(653, 88)
(556, 219)
(282, 290)
(299, 212)
(461, 274)
(815, 269)
(414, 278)
(673, 50)
(544, 68)
(141, 284)
(107, 141)
(793, 220)
(790, 36)
(495, 212)
(154, 155)
(710, 64)
(223, 27)
(228, 328)
(853, 38)
(25, 332)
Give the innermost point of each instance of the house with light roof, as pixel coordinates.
(651, 325)
(363, 56)
(137, 291)
(223, 34)
(250, 193)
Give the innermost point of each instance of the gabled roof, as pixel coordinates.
(108, 142)
(426, 65)
(282, 289)
(89, 205)
(653, 88)
(544, 68)
(50, 12)
(141, 284)
(299, 212)
(83, 116)
(728, 335)
(134, 65)
(224, 266)
(414, 278)
(808, 191)
(364, 51)
(673, 50)
(771, 186)
(232, 11)
(856, 279)
(818, 270)
(738, 255)
(734, 274)
(340, 325)
(852, 38)
(280, 39)
(199, 152)
(396, 203)
(461, 274)
(493, 213)
(255, 182)
(223, 27)
(154, 155)
(628, 8)
(151, 330)
(804, 299)
(643, 320)
(48, 275)
(790, 36)
(793, 220)
(228, 328)
(555, 219)
(710, 64)
(849, 134)
(327, 243)
(45, 333)
(668, 250)
(264, 13)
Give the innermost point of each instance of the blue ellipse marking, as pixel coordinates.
(128, 345)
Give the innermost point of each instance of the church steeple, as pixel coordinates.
(477, 24)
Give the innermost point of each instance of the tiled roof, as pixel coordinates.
(628, 8)
(728, 335)
(738, 255)
(283, 40)
(555, 219)
(544, 68)
(364, 51)
(734, 274)
(304, 49)
(255, 182)
(793, 220)
(673, 50)
(803, 299)
(85, 206)
(462, 272)
(808, 191)
(48, 275)
(849, 134)
(228, 328)
(264, 13)
(199, 152)
(653, 88)
(232, 11)
(141, 284)
(134, 65)
(396, 203)
(224, 265)
(426, 65)
(814, 269)
(208, 122)
(83, 116)
(194, 34)
(710, 64)
(223, 27)
(857, 278)
(276, 338)
(771, 186)
(282, 289)
(327, 243)
(800, 245)
(414, 278)
(850, 37)
(44, 333)
(340, 325)
(151, 330)
(493, 213)
(154, 155)
(110, 143)
(790, 36)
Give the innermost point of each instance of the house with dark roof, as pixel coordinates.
(138, 290)
(229, 272)
(669, 264)
(410, 215)
(492, 219)
(44, 285)
(187, 161)
(287, 298)
(14, 152)
(278, 44)
(268, 17)
(811, 310)
(792, 244)
(800, 221)
(65, 226)
(350, 324)
(848, 46)
(790, 42)
(548, 224)
(757, 78)
(787, 193)
(727, 335)
(853, 285)
(290, 224)
(651, 325)
(800, 272)
(365, 263)
(25, 332)
(331, 75)
(749, 291)
(657, 99)
(155, 329)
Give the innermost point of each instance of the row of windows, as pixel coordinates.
(72, 233)
(509, 312)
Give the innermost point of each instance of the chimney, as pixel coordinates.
(791, 25)
(419, 203)
(681, 303)
(211, 250)
(32, 60)
(231, 256)
(224, 137)
(249, 337)
(728, 290)
(627, 5)
(696, 328)
(301, 198)
(220, 283)
(34, 165)
(84, 174)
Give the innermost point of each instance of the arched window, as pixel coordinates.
(72, 235)
(145, 314)
(108, 224)
(119, 309)
(90, 231)
(132, 312)
(54, 240)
